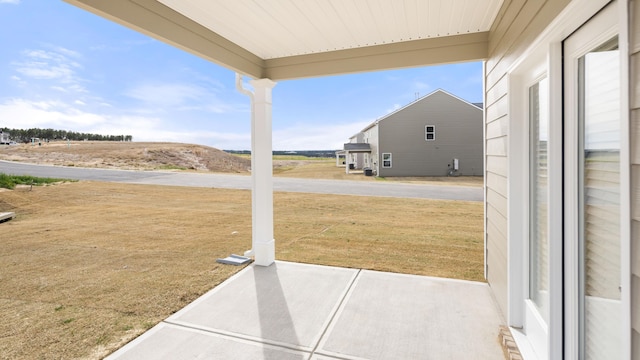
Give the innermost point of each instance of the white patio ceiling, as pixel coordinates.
(281, 28)
(283, 39)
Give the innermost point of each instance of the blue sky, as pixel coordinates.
(64, 68)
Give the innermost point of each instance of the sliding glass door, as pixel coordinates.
(592, 187)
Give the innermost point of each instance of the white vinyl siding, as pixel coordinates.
(634, 62)
(516, 26)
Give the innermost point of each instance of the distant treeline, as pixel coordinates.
(307, 153)
(25, 136)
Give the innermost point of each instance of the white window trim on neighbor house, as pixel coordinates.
(432, 132)
(385, 160)
(544, 59)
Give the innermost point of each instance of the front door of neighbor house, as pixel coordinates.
(592, 263)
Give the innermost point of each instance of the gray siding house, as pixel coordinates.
(436, 135)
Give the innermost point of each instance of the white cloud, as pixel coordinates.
(219, 140)
(24, 114)
(392, 109)
(166, 94)
(66, 52)
(316, 136)
(57, 65)
(15, 2)
(177, 96)
(41, 64)
(420, 85)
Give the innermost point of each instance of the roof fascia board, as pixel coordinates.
(373, 124)
(455, 97)
(433, 51)
(154, 19)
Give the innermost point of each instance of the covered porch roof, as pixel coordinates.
(287, 39)
(357, 147)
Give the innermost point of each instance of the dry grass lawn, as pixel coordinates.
(88, 266)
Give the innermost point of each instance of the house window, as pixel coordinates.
(386, 160)
(430, 132)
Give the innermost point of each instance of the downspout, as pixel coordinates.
(244, 91)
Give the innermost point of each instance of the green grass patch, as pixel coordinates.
(171, 167)
(10, 181)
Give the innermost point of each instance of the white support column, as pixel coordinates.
(346, 161)
(262, 173)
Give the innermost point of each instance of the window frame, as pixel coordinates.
(390, 160)
(427, 133)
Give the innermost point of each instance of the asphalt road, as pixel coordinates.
(338, 187)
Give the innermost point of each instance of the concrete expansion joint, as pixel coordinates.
(509, 346)
(231, 335)
(337, 309)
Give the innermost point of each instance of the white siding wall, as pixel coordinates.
(516, 26)
(634, 63)
(373, 142)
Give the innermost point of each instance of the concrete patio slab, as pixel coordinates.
(301, 311)
(171, 342)
(397, 316)
(285, 304)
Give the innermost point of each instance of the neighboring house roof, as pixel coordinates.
(474, 105)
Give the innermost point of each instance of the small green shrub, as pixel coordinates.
(10, 181)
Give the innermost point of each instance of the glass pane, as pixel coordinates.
(599, 116)
(538, 236)
(386, 160)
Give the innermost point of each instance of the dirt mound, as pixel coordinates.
(128, 155)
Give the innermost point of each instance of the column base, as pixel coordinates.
(265, 253)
